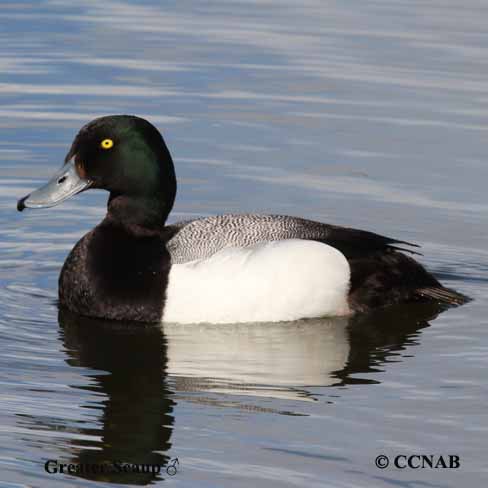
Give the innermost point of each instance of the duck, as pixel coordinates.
(134, 266)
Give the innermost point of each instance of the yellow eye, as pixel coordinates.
(106, 144)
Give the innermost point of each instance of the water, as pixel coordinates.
(365, 114)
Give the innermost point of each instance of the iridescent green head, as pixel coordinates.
(123, 154)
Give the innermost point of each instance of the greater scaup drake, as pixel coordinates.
(228, 268)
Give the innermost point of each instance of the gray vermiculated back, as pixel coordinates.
(200, 238)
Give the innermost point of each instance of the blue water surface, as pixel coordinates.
(365, 114)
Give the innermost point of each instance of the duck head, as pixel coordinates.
(123, 154)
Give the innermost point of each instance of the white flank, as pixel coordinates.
(269, 282)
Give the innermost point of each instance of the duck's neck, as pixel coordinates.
(141, 215)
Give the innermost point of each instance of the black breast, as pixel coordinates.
(116, 274)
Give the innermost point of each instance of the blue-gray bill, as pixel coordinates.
(64, 184)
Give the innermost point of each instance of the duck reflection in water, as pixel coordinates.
(282, 360)
(218, 364)
(137, 412)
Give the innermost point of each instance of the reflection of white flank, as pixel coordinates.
(270, 359)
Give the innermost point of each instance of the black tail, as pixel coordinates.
(389, 277)
(442, 295)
